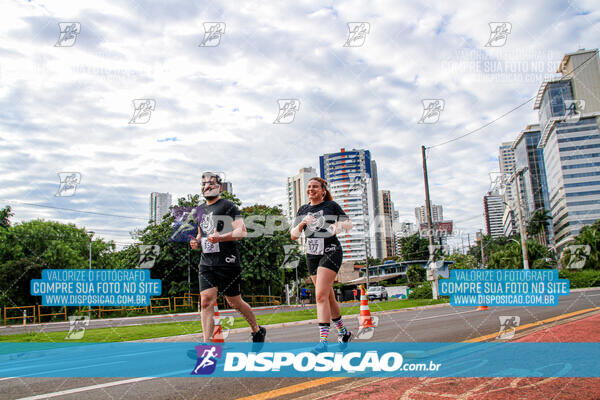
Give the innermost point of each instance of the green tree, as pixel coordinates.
(511, 256)
(28, 248)
(414, 248)
(5, 215)
(588, 236)
(462, 261)
(415, 274)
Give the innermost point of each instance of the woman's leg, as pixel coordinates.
(323, 289)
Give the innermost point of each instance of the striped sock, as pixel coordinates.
(323, 331)
(339, 324)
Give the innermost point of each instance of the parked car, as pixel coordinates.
(377, 292)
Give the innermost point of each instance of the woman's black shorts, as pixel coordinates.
(331, 260)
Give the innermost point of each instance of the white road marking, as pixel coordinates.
(85, 388)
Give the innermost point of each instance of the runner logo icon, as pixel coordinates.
(207, 359)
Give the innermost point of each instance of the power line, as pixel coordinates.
(564, 77)
(71, 209)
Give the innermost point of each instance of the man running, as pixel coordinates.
(220, 269)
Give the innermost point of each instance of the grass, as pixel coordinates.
(149, 331)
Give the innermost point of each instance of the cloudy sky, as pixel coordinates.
(66, 103)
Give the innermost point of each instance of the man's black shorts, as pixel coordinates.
(331, 260)
(226, 279)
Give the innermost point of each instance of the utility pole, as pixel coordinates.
(91, 233)
(434, 283)
(189, 253)
(481, 244)
(521, 225)
(367, 255)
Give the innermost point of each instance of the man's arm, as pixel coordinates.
(238, 232)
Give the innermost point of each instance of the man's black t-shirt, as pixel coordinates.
(219, 215)
(319, 236)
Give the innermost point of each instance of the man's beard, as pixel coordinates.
(211, 194)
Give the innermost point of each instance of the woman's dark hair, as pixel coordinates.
(323, 183)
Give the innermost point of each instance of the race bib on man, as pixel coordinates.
(315, 246)
(208, 247)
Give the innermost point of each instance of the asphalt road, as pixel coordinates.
(439, 324)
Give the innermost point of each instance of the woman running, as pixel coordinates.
(321, 220)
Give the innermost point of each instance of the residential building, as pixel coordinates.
(352, 177)
(296, 191)
(493, 210)
(160, 204)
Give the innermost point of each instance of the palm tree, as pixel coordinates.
(537, 226)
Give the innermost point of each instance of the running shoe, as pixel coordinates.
(345, 338)
(259, 336)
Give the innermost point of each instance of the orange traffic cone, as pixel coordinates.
(217, 336)
(365, 314)
(482, 308)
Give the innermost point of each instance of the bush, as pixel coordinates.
(422, 291)
(581, 278)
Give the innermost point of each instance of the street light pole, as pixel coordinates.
(522, 230)
(434, 283)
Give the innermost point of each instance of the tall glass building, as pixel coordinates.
(352, 177)
(570, 140)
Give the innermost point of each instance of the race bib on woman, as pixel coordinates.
(208, 247)
(315, 246)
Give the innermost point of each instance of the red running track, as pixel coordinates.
(583, 330)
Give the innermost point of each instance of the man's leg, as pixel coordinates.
(239, 304)
(208, 298)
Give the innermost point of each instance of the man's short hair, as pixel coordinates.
(209, 175)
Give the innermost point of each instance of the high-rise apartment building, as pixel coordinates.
(437, 214)
(352, 177)
(159, 206)
(386, 209)
(493, 210)
(569, 109)
(506, 162)
(296, 191)
(227, 187)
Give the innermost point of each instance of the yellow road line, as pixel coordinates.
(292, 389)
(323, 381)
(534, 324)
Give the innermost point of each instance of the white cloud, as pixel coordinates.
(67, 109)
